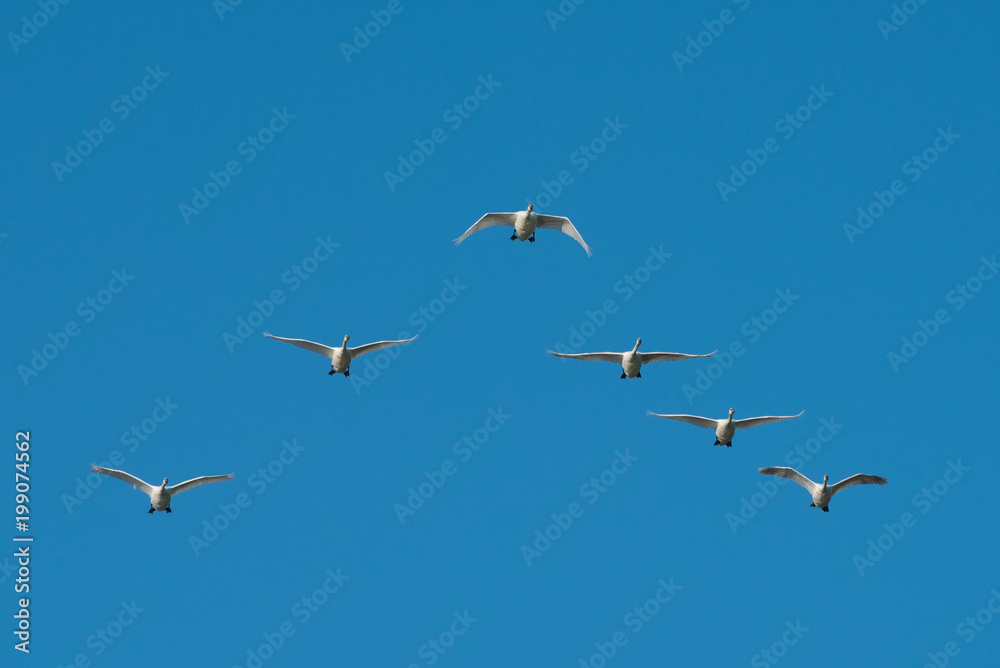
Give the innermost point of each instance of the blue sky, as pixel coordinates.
(181, 180)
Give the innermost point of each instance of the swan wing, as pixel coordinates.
(746, 423)
(489, 220)
(649, 358)
(707, 423)
(325, 351)
(125, 477)
(601, 357)
(562, 224)
(195, 482)
(857, 479)
(791, 474)
(378, 345)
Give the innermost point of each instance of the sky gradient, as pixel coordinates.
(809, 191)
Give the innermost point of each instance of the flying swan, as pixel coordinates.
(524, 224)
(159, 497)
(725, 428)
(340, 358)
(631, 361)
(821, 494)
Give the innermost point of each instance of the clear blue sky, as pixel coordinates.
(179, 180)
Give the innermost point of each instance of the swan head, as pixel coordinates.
(826, 478)
(731, 411)
(165, 481)
(530, 207)
(347, 337)
(638, 342)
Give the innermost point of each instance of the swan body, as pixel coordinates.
(159, 497)
(631, 361)
(525, 223)
(340, 358)
(821, 494)
(725, 428)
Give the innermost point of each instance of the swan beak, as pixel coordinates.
(530, 207)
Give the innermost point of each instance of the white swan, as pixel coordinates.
(631, 361)
(159, 497)
(524, 224)
(340, 358)
(821, 494)
(725, 428)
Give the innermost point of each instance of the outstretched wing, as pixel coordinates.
(489, 220)
(325, 351)
(791, 474)
(601, 357)
(124, 477)
(562, 224)
(649, 358)
(378, 345)
(707, 423)
(195, 482)
(857, 479)
(746, 423)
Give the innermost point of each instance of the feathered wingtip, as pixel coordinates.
(268, 335)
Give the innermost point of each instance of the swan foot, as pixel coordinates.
(638, 374)
(717, 442)
(331, 372)
(826, 510)
(623, 375)
(513, 237)
(532, 238)
(168, 509)
(347, 372)
(151, 510)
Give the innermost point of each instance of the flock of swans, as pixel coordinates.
(525, 223)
